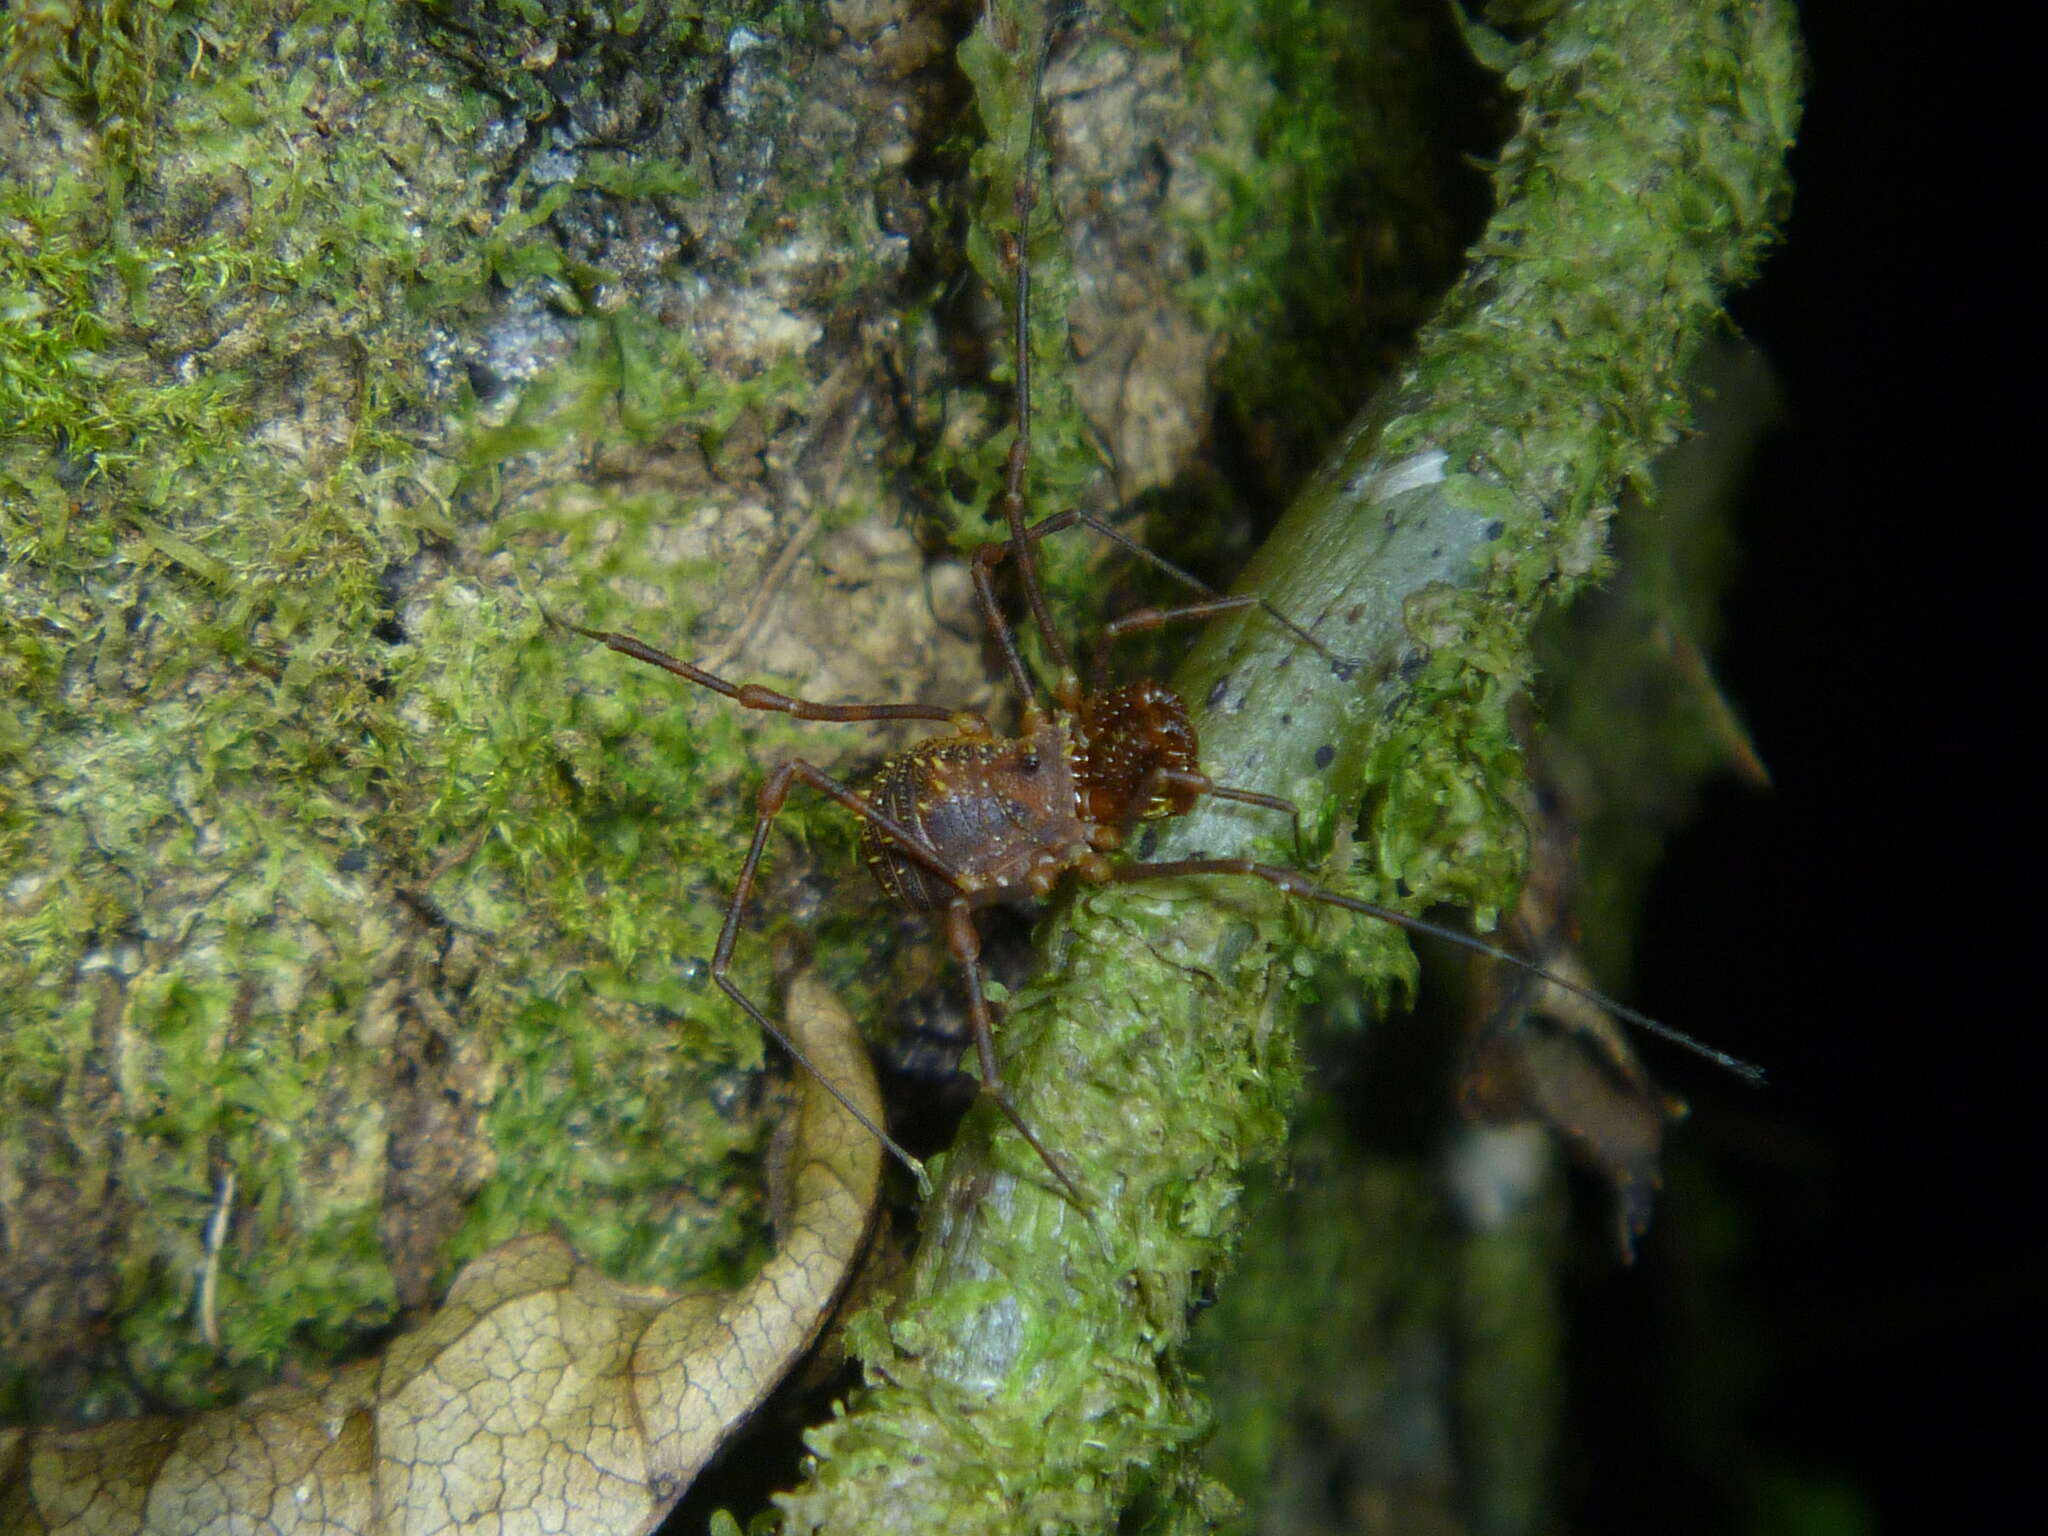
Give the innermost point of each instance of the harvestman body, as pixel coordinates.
(971, 818)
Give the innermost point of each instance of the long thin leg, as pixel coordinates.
(774, 791)
(1200, 784)
(1213, 602)
(1009, 501)
(986, 558)
(1151, 618)
(754, 695)
(963, 943)
(1294, 883)
(1180, 613)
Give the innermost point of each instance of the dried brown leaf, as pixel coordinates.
(1542, 1054)
(542, 1397)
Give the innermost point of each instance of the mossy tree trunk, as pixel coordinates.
(345, 897)
(1032, 1377)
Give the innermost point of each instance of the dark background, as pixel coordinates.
(1853, 928)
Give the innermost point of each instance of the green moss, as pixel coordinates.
(174, 777)
(294, 776)
(262, 831)
(1345, 208)
(1008, 159)
(1325, 1356)
(1329, 226)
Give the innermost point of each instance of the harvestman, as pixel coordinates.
(971, 818)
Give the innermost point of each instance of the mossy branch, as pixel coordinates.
(1030, 1379)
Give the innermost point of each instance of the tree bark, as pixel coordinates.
(348, 898)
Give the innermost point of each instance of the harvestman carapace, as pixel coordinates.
(971, 818)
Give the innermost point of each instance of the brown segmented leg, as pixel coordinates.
(963, 942)
(774, 791)
(1215, 791)
(754, 695)
(1296, 884)
(1158, 618)
(986, 558)
(1010, 500)
(1202, 784)
(1213, 602)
